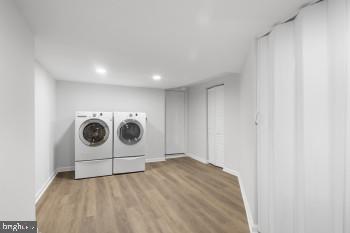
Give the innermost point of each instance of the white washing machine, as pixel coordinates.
(129, 142)
(93, 144)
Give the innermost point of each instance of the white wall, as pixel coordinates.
(197, 123)
(45, 114)
(246, 161)
(232, 125)
(72, 97)
(17, 116)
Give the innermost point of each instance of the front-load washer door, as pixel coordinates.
(93, 138)
(94, 132)
(130, 132)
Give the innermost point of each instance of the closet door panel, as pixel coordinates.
(220, 125)
(283, 127)
(175, 122)
(316, 158)
(264, 146)
(216, 125)
(211, 125)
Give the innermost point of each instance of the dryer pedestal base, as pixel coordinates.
(128, 164)
(93, 168)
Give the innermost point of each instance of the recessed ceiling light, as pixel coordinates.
(101, 70)
(157, 77)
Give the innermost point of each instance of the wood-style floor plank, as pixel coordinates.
(177, 196)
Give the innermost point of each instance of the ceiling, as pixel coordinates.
(184, 41)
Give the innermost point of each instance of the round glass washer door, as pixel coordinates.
(130, 132)
(94, 132)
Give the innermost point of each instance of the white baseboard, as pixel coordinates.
(175, 156)
(155, 160)
(65, 169)
(253, 227)
(231, 171)
(199, 159)
(40, 193)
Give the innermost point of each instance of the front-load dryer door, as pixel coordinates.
(95, 140)
(130, 132)
(130, 139)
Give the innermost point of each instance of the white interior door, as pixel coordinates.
(175, 122)
(216, 121)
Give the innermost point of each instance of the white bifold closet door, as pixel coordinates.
(216, 125)
(175, 122)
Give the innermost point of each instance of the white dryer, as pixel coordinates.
(93, 144)
(129, 142)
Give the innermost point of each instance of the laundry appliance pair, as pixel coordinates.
(109, 143)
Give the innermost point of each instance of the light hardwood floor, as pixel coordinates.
(177, 196)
